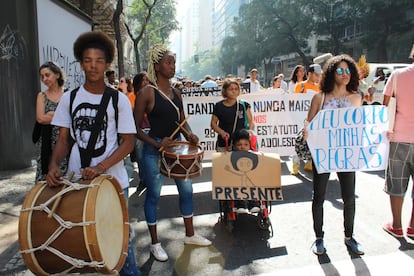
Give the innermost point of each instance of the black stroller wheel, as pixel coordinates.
(263, 222)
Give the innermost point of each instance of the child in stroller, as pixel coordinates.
(229, 209)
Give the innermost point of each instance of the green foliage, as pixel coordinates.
(269, 28)
(208, 63)
(159, 26)
(382, 20)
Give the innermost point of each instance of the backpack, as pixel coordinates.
(109, 93)
(114, 97)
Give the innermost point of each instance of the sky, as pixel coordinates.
(181, 6)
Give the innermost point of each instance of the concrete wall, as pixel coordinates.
(18, 82)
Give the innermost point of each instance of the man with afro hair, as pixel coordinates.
(93, 116)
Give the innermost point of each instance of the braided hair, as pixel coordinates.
(155, 54)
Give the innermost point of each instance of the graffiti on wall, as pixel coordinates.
(70, 66)
(12, 46)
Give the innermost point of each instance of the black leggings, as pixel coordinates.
(347, 182)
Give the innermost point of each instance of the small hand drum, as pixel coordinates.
(182, 160)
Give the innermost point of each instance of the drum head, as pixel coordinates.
(184, 149)
(111, 222)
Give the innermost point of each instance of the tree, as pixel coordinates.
(149, 20)
(208, 63)
(282, 27)
(381, 20)
(119, 43)
(140, 10)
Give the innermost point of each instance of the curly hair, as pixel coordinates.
(96, 40)
(226, 85)
(328, 78)
(55, 68)
(155, 54)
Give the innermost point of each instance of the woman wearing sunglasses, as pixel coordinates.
(339, 86)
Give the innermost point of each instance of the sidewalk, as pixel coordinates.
(14, 185)
(13, 188)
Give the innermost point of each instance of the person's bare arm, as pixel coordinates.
(144, 103)
(41, 116)
(214, 125)
(315, 106)
(250, 118)
(61, 150)
(125, 147)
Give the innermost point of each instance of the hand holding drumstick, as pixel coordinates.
(191, 137)
(175, 132)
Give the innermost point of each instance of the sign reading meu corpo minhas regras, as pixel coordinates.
(349, 139)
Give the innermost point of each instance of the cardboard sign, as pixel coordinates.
(349, 139)
(242, 175)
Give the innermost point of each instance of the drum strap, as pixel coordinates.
(86, 155)
(234, 125)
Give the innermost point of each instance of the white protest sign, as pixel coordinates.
(349, 139)
(277, 117)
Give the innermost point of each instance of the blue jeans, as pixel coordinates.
(130, 267)
(154, 180)
(139, 145)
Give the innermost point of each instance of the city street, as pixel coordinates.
(246, 250)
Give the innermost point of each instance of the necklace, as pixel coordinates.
(339, 102)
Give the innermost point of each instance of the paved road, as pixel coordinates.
(248, 250)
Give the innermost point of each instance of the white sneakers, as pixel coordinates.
(242, 210)
(158, 252)
(160, 255)
(255, 209)
(197, 240)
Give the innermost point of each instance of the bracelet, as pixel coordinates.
(102, 166)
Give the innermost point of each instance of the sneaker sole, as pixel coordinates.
(392, 233)
(319, 253)
(354, 251)
(158, 259)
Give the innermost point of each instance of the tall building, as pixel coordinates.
(225, 11)
(203, 26)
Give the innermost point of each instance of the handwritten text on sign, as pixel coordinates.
(349, 139)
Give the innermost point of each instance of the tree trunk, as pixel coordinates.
(137, 59)
(118, 37)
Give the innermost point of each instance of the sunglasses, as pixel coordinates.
(341, 71)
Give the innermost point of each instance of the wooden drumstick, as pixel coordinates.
(176, 131)
(182, 128)
(59, 198)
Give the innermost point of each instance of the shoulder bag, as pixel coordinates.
(301, 146)
(392, 103)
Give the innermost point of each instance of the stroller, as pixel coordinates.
(228, 214)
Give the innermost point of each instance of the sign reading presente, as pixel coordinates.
(349, 139)
(243, 175)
